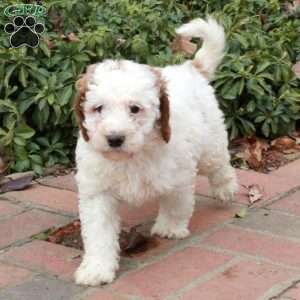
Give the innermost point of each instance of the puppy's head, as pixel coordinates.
(121, 106)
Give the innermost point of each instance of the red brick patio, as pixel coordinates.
(225, 258)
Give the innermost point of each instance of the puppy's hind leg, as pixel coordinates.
(175, 212)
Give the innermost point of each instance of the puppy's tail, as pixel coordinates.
(211, 53)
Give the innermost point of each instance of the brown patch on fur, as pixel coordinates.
(82, 87)
(198, 65)
(164, 107)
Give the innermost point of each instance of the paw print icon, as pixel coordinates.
(24, 31)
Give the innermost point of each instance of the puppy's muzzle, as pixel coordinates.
(115, 141)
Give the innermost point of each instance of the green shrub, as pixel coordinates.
(255, 84)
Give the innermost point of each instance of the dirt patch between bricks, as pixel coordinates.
(133, 241)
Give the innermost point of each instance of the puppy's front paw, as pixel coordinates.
(93, 274)
(180, 232)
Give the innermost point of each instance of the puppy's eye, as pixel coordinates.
(134, 109)
(99, 109)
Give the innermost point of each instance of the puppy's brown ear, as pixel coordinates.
(164, 112)
(164, 106)
(82, 87)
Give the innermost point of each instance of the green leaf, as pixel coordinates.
(262, 67)
(242, 213)
(259, 119)
(9, 72)
(36, 159)
(254, 88)
(22, 165)
(251, 106)
(25, 104)
(44, 47)
(19, 141)
(24, 131)
(42, 103)
(234, 131)
(58, 113)
(23, 74)
(64, 76)
(52, 82)
(65, 95)
(266, 129)
(38, 169)
(43, 141)
(39, 76)
(242, 39)
(51, 99)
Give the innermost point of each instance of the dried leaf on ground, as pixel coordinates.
(120, 42)
(251, 150)
(263, 155)
(132, 241)
(184, 45)
(56, 18)
(283, 143)
(292, 156)
(255, 193)
(273, 159)
(72, 37)
(68, 235)
(287, 147)
(296, 137)
(16, 184)
(137, 240)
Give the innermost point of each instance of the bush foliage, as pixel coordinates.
(256, 86)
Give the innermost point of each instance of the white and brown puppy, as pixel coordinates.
(145, 134)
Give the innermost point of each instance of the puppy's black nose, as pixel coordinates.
(115, 141)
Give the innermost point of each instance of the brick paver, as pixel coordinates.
(209, 213)
(271, 185)
(7, 209)
(290, 170)
(290, 204)
(248, 280)
(291, 293)
(272, 221)
(11, 275)
(49, 197)
(41, 288)
(101, 294)
(170, 274)
(45, 257)
(27, 224)
(225, 257)
(65, 182)
(276, 249)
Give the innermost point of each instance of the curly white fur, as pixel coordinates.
(146, 167)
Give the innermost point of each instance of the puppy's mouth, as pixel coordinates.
(117, 154)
